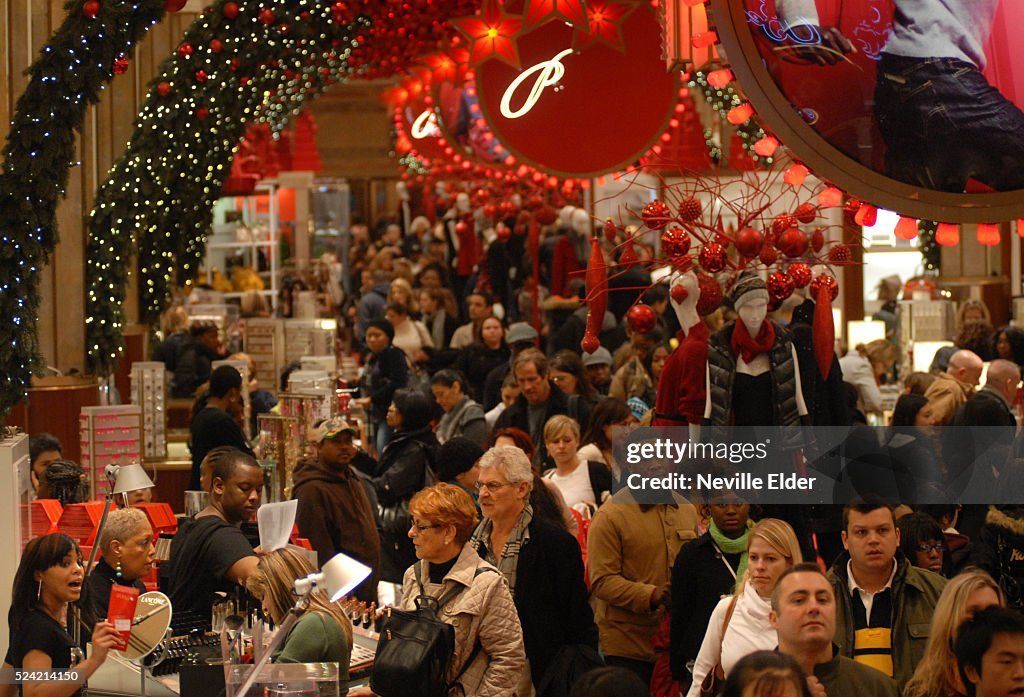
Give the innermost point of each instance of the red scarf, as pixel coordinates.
(743, 345)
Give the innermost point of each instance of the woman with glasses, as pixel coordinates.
(923, 542)
(542, 564)
(126, 557)
(471, 594)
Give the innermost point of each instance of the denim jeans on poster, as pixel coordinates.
(943, 123)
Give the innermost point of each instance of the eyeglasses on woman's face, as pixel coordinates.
(926, 547)
(419, 528)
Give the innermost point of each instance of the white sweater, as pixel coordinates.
(749, 631)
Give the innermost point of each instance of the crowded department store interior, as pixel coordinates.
(511, 348)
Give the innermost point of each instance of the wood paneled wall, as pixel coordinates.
(25, 26)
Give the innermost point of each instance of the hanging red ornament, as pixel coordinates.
(948, 234)
(174, 5)
(461, 227)
(711, 295)
(769, 255)
(202, 113)
(200, 76)
(91, 8)
(163, 89)
(780, 286)
(590, 342)
(679, 293)
(230, 10)
(547, 216)
(749, 243)
(783, 222)
(120, 65)
(656, 215)
(712, 257)
(216, 46)
(628, 257)
(490, 210)
(675, 242)
(852, 206)
(185, 50)
(610, 231)
(805, 213)
(840, 255)
(641, 318)
(817, 240)
(824, 281)
(266, 16)
(597, 295)
(800, 273)
(793, 243)
(690, 210)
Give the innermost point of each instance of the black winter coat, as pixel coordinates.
(558, 402)
(551, 596)
(195, 363)
(999, 550)
(476, 362)
(405, 467)
(386, 372)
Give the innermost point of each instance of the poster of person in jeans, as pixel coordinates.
(926, 91)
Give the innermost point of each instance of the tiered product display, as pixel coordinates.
(309, 337)
(264, 344)
(149, 391)
(109, 435)
(925, 326)
(309, 409)
(278, 451)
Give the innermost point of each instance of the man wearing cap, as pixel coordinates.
(598, 367)
(520, 336)
(334, 513)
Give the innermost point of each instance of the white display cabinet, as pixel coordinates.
(16, 495)
(149, 392)
(109, 435)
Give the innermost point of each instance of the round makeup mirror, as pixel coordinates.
(149, 628)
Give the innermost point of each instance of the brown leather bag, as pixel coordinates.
(712, 683)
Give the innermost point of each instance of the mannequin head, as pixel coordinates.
(752, 315)
(462, 203)
(580, 224)
(686, 311)
(749, 298)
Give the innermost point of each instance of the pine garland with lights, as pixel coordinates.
(67, 77)
(160, 194)
(722, 99)
(931, 253)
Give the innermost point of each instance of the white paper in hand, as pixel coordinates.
(275, 521)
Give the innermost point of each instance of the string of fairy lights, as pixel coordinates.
(722, 99)
(239, 63)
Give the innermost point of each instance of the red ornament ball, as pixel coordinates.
(679, 293)
(805, 213)
(216, 45)
(817, 240)
(200, 76)
(461, 227)
(656, 215)
(690, 210)
(780, 286)
(202, 113)
(590, 342)
(793, 243)
(769, 255)
(185, 49)
(641, 318)
(230, 10)
(800, 273)
(490, 210)
(712, 257)
(163, 89)
(749, 242)
(711, 295)
(266, 16)
(120, 65)
(503, 232)
(675, 242)
(851, 206)
(174, 5)
(91, 8)
(339, 10)
(824, 281)
(610, 231)
(840, 255)
(782, 223)
(547, 216)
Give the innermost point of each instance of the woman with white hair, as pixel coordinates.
(542, 564)
(126, 557)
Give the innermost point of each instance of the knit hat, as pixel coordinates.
(599, 357)
(456, 456)
(747, 288)
(520, 331)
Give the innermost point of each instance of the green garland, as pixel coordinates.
(931, 253)
(722, 100)
(67, 77)
(160, 194)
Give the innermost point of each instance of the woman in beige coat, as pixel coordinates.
(443, 519)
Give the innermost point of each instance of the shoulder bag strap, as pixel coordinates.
(719, 671)
(477, 647)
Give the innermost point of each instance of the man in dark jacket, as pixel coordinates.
(539, 400)
(196, 360)
(334, 513)
(520, 336)
(884, 604)
(214, 425)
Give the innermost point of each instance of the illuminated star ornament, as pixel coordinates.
(606, 18)
(540, 11)
(492, 34)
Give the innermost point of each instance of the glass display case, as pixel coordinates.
(286, 680)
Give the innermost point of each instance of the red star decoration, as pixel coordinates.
(448, 66)
(492, 34)
(606, 18)
(540, 11)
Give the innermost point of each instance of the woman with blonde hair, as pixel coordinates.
(739, 624)
(584, 484)
(963, 596)
(323, 633)
(864, 366)
(401, 293)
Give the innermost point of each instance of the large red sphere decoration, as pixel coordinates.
(780, 286)
(185, 49)
(120, 65)
(805, 213)
(769, 255)
(712, 257)
(230, 10)
(174, 5)
(547, 216)
(711, 295)
(200, 76)
(590, 343)
(749, 242)
(641, 318)
(840, 255)
(91, 8)
(675, 242)
(793, 243)
(266, 16)
(163, 89)
(503, 233)
(825, 281)
(656, 215)
(690, 210)
(202, 113)
(461, 228)
(782, 223)
(679, 293)
(800, 273)
(216, 46)
(568, 130)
